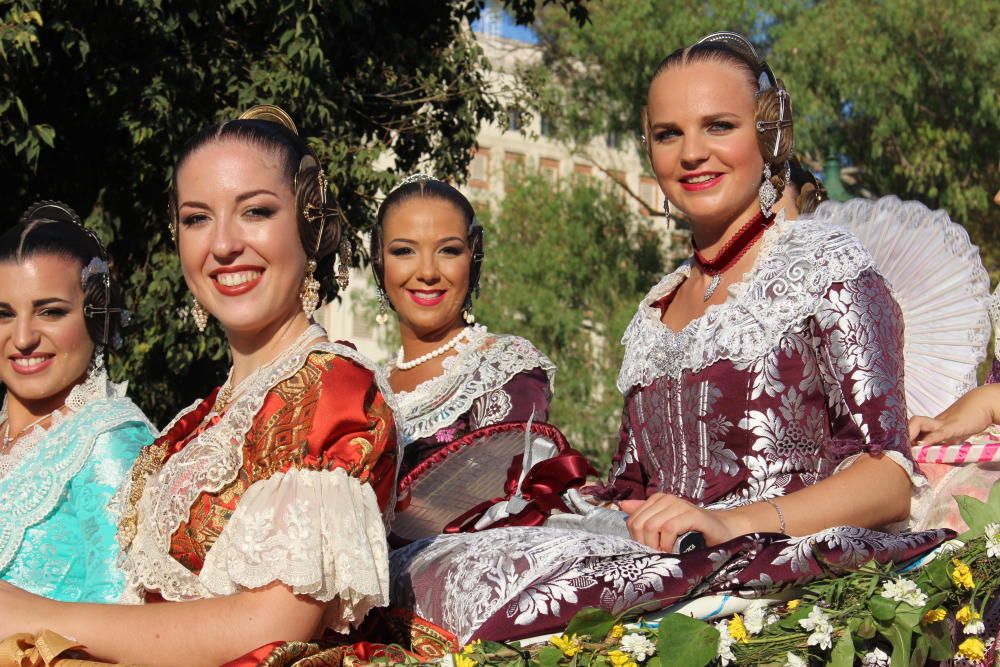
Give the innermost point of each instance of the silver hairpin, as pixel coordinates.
(419, 177)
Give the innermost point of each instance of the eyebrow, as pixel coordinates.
(444, 240)
(37, 303)
(240, 198)
(710, 118)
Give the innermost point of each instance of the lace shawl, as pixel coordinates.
(318, 531)
(484, 362)
(39, 477)
(798, 262)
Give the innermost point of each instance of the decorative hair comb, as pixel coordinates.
(272, 114)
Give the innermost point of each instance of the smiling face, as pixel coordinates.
(703, 141)
(43, 335)
(427, 261)
(238, 238)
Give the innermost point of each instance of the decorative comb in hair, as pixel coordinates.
(272, 114)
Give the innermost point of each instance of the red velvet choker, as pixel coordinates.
(732, 251)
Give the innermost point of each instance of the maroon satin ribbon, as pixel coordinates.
(543, 487)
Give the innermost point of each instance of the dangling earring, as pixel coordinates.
(768, 195)
(467, 314)
(344, 268)
(199, 315)
(383, 306)
(309, 293)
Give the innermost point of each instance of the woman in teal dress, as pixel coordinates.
(69, 435)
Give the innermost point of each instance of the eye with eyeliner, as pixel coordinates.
(400, 251)
(193, 219)
(53, 313)
(453, 250)
(259, 213)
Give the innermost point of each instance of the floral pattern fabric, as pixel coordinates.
(795, 375)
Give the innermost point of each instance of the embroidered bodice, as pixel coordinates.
(493, 378)
(57, 531)
(293, 483)
(798, 372)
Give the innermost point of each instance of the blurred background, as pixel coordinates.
(531, 107)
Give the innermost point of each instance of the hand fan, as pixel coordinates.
(938, 279)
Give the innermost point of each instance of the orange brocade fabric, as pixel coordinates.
(328, 415)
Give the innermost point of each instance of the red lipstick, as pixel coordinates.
(31, 370)
(239, 288)
(703, 185)
(424, 299)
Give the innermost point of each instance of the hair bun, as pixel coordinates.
(272, 114)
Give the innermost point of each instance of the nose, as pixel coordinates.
(25, 335)
(694, 150)
(427, 270)
(227, 238)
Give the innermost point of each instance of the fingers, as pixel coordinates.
(659, 520)
(920, 424)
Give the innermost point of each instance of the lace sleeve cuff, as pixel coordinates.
(319, 532)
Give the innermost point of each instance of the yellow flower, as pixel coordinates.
(793, 604)
(570, 646)
(621, 659)
(737, 630)
(472, 647)
(463, 661)
(972, 649)
(935, 615)
(962, 575)
(617, 632)
(966, 614)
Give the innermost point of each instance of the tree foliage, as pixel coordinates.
(566, 264)
(906, 91)
(97, 97)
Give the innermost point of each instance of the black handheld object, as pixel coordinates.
(688, 542)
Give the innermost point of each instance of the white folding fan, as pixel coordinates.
(939, 281)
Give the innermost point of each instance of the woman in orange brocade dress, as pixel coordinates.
(256, 521)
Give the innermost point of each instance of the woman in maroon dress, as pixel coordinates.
(763, 391)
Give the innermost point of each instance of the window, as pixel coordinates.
(479, 170)
(613, 140)
(549, 168)
(514, 120)
(547, 129)
(583, 169)
(512, 162)
(649, 193)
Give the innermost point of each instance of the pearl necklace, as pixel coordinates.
(407, 365)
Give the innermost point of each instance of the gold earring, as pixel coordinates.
(309, 294)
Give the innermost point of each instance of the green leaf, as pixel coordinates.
(843, 652)
(921, 649)
(938, 636)
(976, 514)
(866, 628)
(900, 639)
(791, 622)
(549, 656)
(883, 609)
(687, 641)
(594, 623)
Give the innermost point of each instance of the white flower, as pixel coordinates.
(904, 590)
(794, 661)
(993, 540)
(876, 658)
(819, 624)
(725, 650)
(974, 627)
(756, 617)
(637, 646)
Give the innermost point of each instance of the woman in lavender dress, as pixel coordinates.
(763, 395)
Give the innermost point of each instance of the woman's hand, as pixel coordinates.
(971, 414)
(659, 520)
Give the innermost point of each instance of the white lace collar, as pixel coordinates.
(798, 262)
(483, 363)
(95, 387)
(207, 463)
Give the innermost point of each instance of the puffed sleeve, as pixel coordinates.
(859, 338)
(316, 522)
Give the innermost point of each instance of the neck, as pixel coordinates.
(416, 344)
(711, 237)
(251, 350)
(21, 412)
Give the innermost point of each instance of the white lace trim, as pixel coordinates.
(38, 476)
(798, 262)
(319, 532)
(484, 362)
(209, 462)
